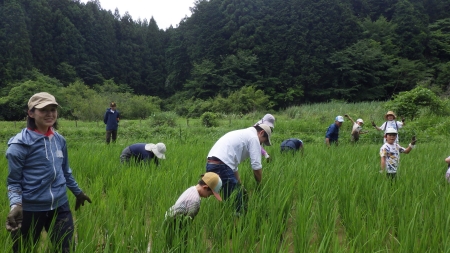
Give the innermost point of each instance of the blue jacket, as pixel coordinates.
(141, 154)
(292, 143)
(38, 171)
(111, 119)
(332, 133)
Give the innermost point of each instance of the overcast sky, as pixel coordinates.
(165, 12)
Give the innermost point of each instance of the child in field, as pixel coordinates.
(357, 128)
(447, 175)
(390, 152)
(180, 215)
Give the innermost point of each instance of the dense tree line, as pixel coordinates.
(296, 51)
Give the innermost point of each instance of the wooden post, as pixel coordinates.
(76, 123)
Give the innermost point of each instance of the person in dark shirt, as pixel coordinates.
(142, 152)
(292, 144)
(111, 120)
(332, 134)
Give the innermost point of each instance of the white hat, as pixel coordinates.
(360, 120)
(391, 130)
(158, 149)
(340, 119)
(268, 119)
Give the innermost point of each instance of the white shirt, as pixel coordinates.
(391, 123)
(356, 128)
(188, 204)
(236, 146)
(392, 154)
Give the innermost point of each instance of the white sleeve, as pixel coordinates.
(254, 150)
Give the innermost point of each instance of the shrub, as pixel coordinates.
(209, 119)
(409, 103)
(163, 119)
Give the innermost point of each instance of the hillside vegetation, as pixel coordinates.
(296, 51)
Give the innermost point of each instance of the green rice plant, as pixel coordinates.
(328, 200)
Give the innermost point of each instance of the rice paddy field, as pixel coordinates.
(329, 200)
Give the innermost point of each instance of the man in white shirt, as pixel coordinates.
(390, 123)
(233, 148)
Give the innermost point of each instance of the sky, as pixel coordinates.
(165, 12)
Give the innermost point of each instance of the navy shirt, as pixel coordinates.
(292, 143)
(140, 153)
(111, 119)
(332, 132)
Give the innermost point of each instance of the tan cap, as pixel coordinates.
(214, 182)
(268, 131)
(41, 100)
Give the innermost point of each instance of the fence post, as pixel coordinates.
(76, 123)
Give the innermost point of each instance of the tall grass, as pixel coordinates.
(329, 200)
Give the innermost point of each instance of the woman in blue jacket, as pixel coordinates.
(38, 174)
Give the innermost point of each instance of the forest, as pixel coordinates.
(293, 51)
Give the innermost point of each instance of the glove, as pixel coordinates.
(413, 140)
(267, 156)
(14, 218)
(80, 200)
(373, 124)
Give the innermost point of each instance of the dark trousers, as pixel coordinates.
(229, 184)
(109, 134)
(59, 226)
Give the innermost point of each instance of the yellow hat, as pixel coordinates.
(214, 182)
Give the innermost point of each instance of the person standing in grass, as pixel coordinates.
(230, 150)
(390, 153)
(356, 129)
(332, 134)
(38, 174)
(269, 120)
(111, 120)
(447, 175)
(292, 145)
(179, 216)
(390, 123)
(142, 152)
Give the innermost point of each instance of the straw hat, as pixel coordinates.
(390, 113)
